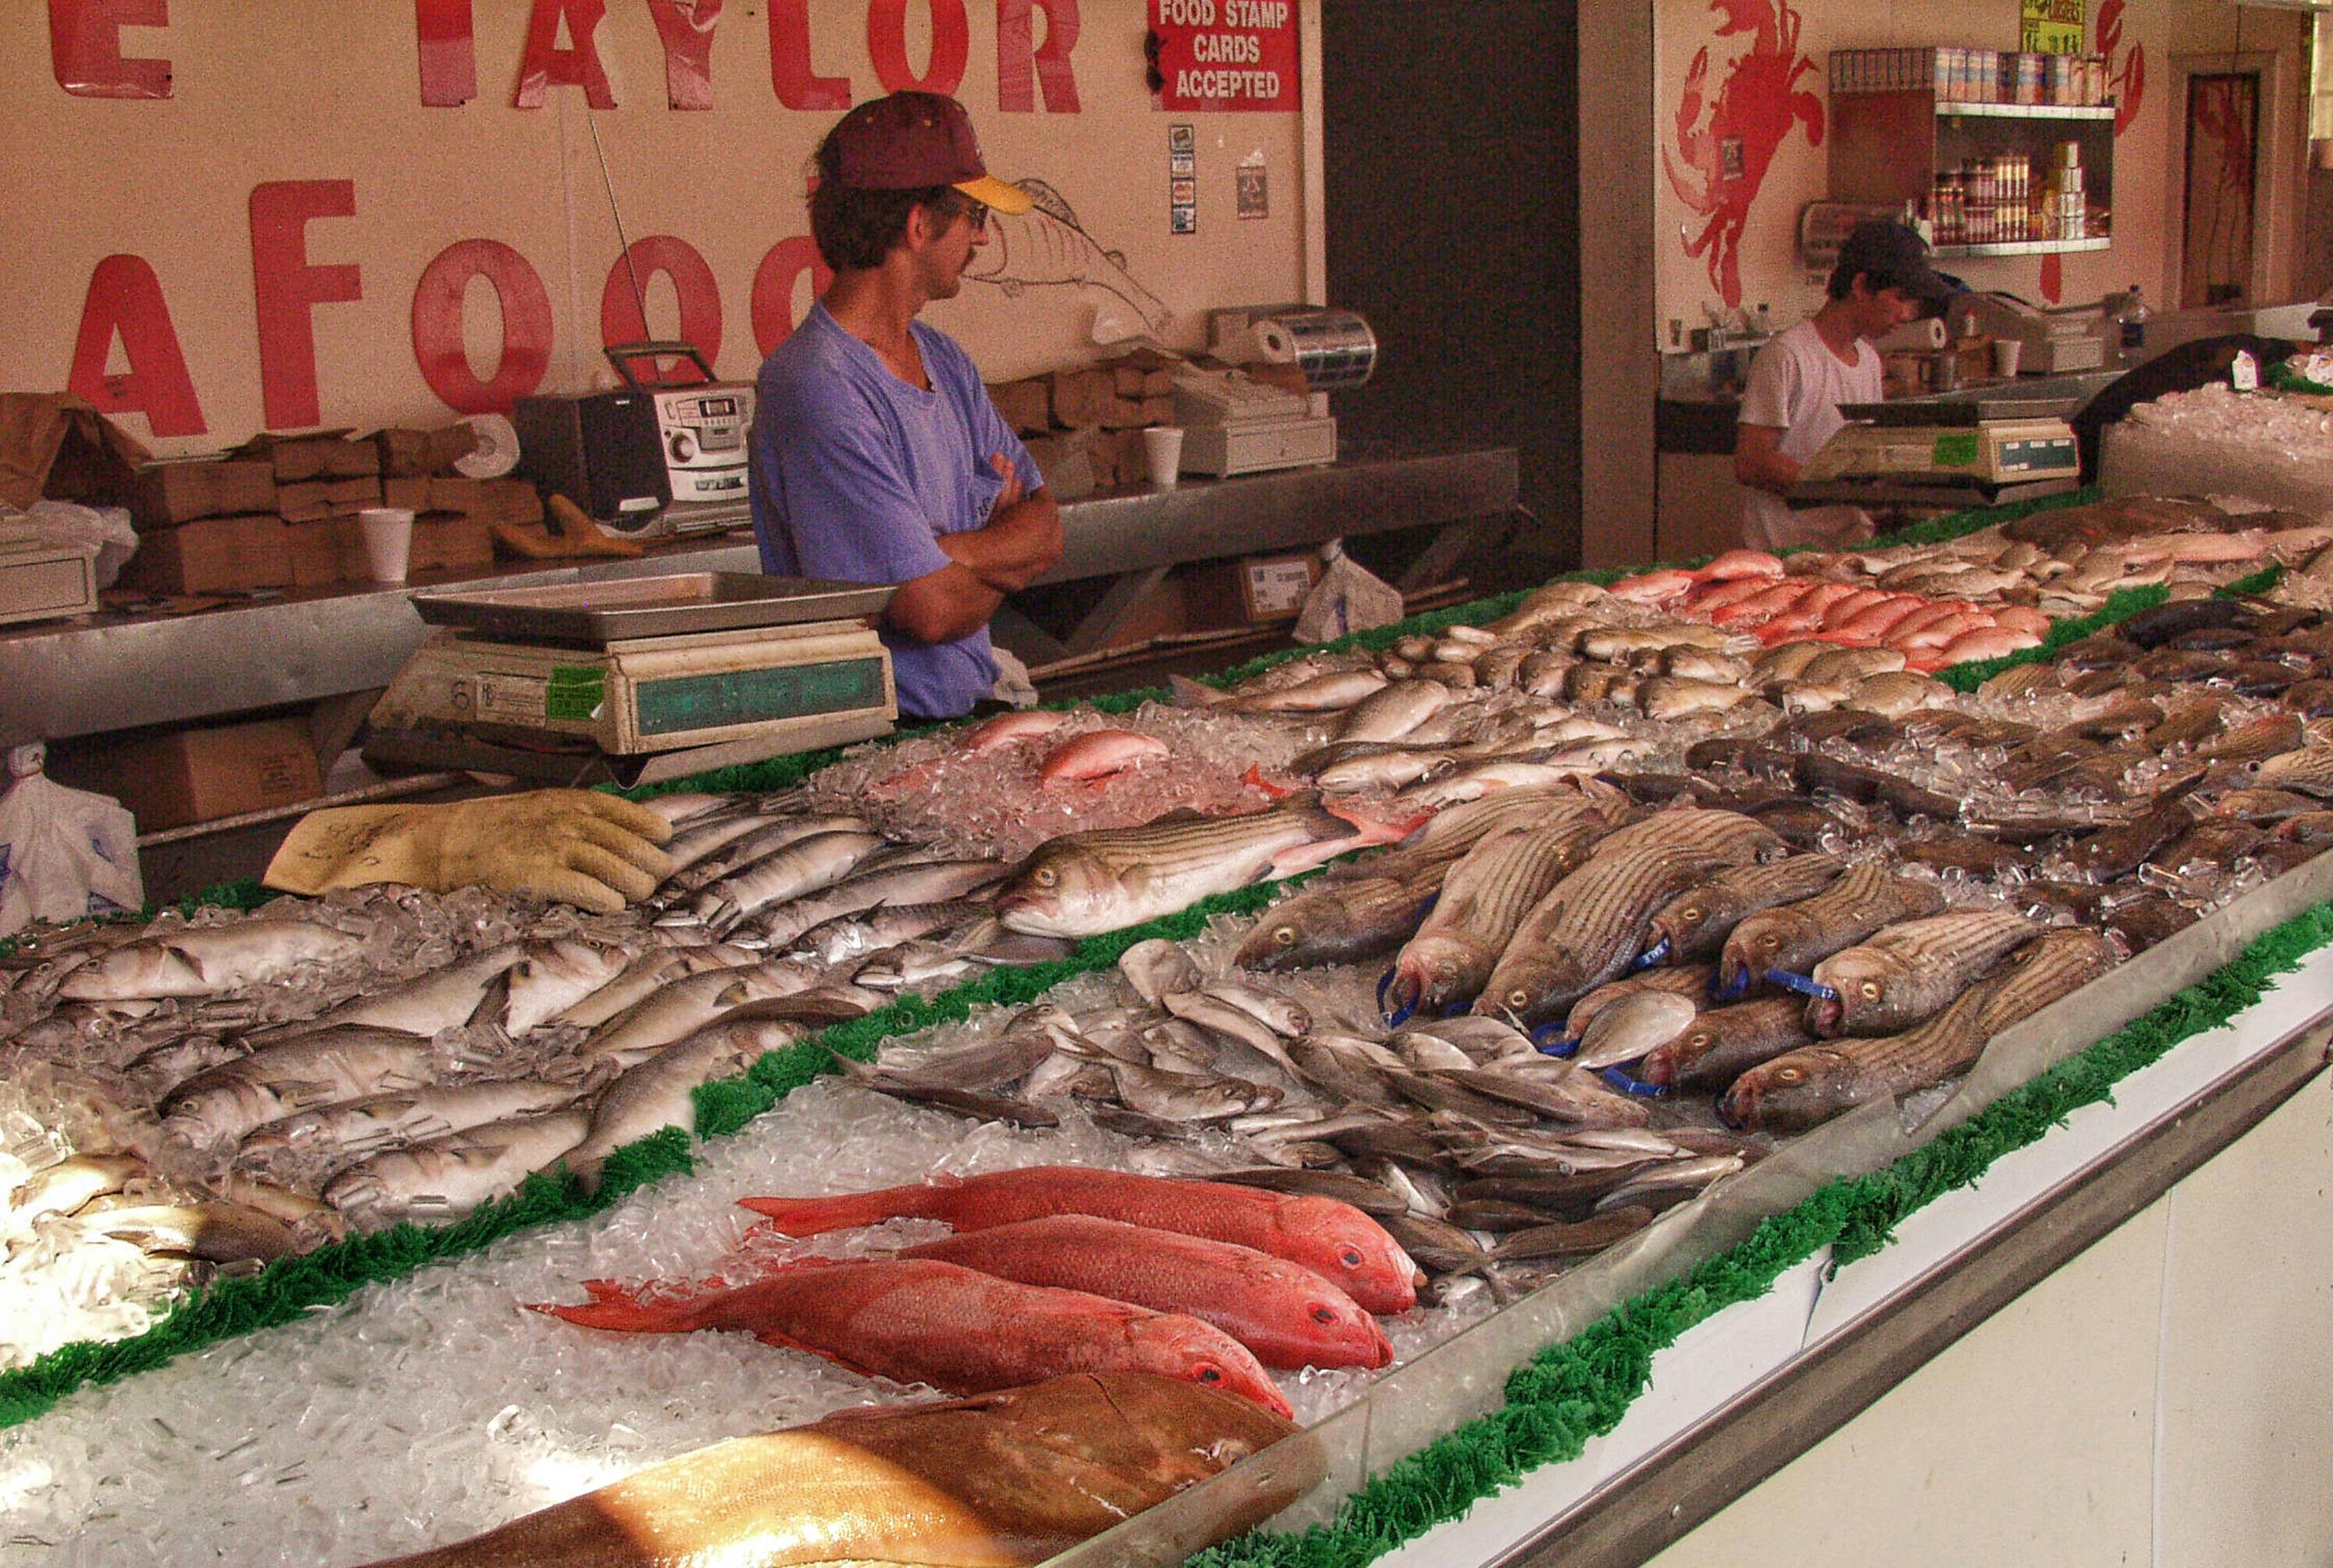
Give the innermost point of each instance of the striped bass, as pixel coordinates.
(1809, 1086)
(1696, 922)
(1081, 884)
(1483, 898)
(1724, 1043)
(1339, 922)
(1908, 972)
(1794, 938)
(1584, 932)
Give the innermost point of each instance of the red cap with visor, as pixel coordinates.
(913, 141)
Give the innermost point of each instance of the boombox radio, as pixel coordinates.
(645, 460)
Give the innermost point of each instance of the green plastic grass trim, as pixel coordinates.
(1581, 1388)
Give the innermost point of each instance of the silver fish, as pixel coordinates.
(452, 1175)
(805, 866)
(1669, 1180)
(1283, 1015)
(207, 960)
(1233, 1022)
(1326, 693)
(687, 1004)
(1384, 770)
(1189, 1097)
(920, 882)
(64, 1187)
(214, 1231)
(225, 1102)
(361, 1127)
(659, 1093)
(1633, 1026)
(769, 835)
(423, 1006)
(1154, 966)
(923, 1089)
(1393, 711)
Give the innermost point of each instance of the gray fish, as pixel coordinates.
(1382, 770)
(836, 941)
(922, 1089)
(709, 832)
(452, 1175)
(1670, 1181)
(767, 836)
(442, 999)
(1480, 1040)
(360, 1127)
(64, 1187)
(1574, 1238)
(1633, 1026)
(1283, 1015)
(649, 974)
(551, 977)
(1393, 711)
(1339, 1071)
(1456, 1092)
(688, 1004)
(803, 866)
(1341, 1185)
(1794, 938)
(1691, 980)
(923, 882)
(1559, 1091)
(207, 960)
(661, 1092)
(1187, 1096)
(1436, 1246)
(1483, 898)
(1082, 884)
(212, 1230)
(223, 1104)
(1327, 693)
(1154, 966)
(1910, 971)
(1220, 1017)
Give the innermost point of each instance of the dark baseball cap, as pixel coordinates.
(1894, 257)
(913, 141)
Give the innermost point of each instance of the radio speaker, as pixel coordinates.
(601, 450)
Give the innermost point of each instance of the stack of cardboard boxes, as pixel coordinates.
(281, 512)
(1084, 427)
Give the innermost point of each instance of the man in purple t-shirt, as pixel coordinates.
(878, 455)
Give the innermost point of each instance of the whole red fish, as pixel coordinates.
(1334, 1240)
(1284, 1312)
(1099, 755)
(922, 1321)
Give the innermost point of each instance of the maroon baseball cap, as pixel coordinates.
(913, 141)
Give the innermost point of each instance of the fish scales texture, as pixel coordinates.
(1483, 898)
(1724, 1043)
(1081, 884)
(923, 1321)
(1004, 1480)
(1807, 1087)
(448, 1177)
(1342, 922)
(1907, 972)
(348, 1063)
(1334, 1240)
(1698, 920)
(1796, 937)
(1286, 1314)
(205, 960)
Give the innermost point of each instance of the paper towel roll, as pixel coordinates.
(1914, 337)
(497, 453)
(1334, 349)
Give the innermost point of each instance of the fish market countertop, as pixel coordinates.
(111, 670)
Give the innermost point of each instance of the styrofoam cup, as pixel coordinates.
(387, 541)
(1162, 451)
(2006, 353)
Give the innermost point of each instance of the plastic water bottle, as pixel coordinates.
(2130, 327)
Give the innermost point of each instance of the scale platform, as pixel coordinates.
(638, 679)
(1941, 452)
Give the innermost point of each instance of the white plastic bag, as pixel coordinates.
(102, 532)
(1347, 597)
(64, 853)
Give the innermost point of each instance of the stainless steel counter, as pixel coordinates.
(113, 671)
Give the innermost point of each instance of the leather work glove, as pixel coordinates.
(585, 848)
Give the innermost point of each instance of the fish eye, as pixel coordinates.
(1285, 935)
(1211, 1374)
(1323, 1312)
(1700, 1037)
(1772, 939)
(1871, 990)
(1788, 1075)
(1349, 1257)
(1519, 1000)
(1044, 877)
(1691, 912)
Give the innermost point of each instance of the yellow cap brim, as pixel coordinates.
(994, 193)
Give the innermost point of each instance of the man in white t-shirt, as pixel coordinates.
(1799, 379)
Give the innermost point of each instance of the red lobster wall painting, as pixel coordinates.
(1724, 159)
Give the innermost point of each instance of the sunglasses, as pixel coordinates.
(968, 207)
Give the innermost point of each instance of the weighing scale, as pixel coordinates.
(1980, 449)
(638, 679)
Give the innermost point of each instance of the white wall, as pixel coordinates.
(262, 91)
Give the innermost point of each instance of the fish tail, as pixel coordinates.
(612, 1306)
(1377, 830)
(814, 1216)
(1255, 779)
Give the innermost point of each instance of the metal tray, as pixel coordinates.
(593, 614)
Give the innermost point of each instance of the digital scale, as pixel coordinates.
(1953, 450)
(639, 680)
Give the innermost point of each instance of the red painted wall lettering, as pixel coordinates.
(85, 48)
(546, 64)
(887, 42)
(1022, 64)
(773, 288)
(620, 317)
(797, 81)
(449, 51)
(438, 300)
(288, 287)
(685, 27)
(125, 300)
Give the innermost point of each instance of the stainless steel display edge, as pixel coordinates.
(1663, 1496)
(109, 672)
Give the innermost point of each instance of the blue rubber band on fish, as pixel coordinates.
(1618, 1079)
(1658, 953)
(1731, 990)
(1804, 985)
(1562, 1045)
(1393, 1020)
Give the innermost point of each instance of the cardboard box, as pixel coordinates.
(166, 494)
(213, 555)
(448, 542)
(1027, 405)
(327, 550)
(347, 497)
(199, 776)
(57, 444)
(327, 456)
(409, 453)
(1255, 590)
(304, 500)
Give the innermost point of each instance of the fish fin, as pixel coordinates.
(773, 1338)
(493, 1001)
(618, 1311)
(1255, 779)
(1189, 693)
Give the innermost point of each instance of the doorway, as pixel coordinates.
(2221, 201)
